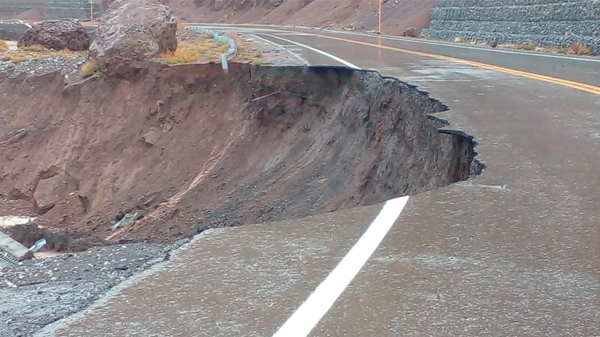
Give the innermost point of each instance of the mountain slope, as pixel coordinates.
(360, 14)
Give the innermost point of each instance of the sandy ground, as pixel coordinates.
(12, 45)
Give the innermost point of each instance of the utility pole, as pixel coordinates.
(380, 6)
(92, 10)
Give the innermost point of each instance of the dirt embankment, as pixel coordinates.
(357, 14)
(185, 148)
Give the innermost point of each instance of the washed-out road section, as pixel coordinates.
(515, 251)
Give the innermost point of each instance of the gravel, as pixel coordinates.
(66, 65)
(273, 54)
(35, 293)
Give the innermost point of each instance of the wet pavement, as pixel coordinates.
(515, 251)
(228, 282)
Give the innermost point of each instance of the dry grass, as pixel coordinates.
(579, 48)
(90, 68)
(469, 42)
(245, 56)
(36, 48)
(36, 52)
(205, 50)
(249, 51)
(551, 50)
(519, 46)
(180, 26)
(3, 46)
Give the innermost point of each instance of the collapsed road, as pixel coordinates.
(189, 148)
(513, 251)
(181, 149)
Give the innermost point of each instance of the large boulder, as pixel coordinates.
(132, 32)
(57, 35)
(411, 32)
(51, 190)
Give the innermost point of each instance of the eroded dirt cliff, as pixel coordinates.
(185, 148)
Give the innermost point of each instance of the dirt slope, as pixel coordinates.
(188, 148)
(359, 14)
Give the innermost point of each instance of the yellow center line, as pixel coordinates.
(571, 84)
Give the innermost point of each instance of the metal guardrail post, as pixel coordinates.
(231, 52)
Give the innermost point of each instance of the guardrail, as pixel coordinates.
(231, 52)
(15, 22)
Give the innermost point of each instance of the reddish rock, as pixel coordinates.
(411, 32)
(151, 137)
(50, 191)
(57, 35)
(130, 33)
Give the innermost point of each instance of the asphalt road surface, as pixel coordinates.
(513, 252)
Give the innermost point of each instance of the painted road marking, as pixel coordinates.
(280, 46)
(344, 62)
(278, 28)
(460, 46)
(571, 84)
(322, 299)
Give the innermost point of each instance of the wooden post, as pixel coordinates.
(92, 10)
(380, 6)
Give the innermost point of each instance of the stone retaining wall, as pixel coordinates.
(559, 23)
(50, 9)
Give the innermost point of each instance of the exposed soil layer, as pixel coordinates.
(186, 148)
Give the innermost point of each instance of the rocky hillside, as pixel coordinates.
(359, 14)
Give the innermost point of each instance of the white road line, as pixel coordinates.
(459, 46)
(281, 28)
(283, 47)
(344, 62)
(320, 301)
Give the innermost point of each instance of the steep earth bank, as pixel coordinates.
(185, 148)
(357, 14)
